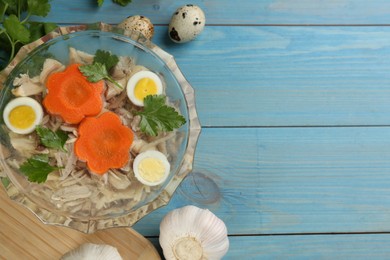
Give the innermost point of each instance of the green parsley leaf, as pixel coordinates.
(9, 2)
(37, 168)
(6, 181)
(38, 7)
(3, 9)
(16, 7)
(49, 27)
(122, 2)
(16, 30)
(35, 64)
(94, 72)
(52, 139)
(38, 29)
(158, 117)
(97, 71)
(35, 30)
(100, 2)
(106, 58)
(4, 137)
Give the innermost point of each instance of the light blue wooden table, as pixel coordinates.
(294, 101)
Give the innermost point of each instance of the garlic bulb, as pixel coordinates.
(93, 252)
(191, 233)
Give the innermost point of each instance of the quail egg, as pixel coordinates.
(186, 23)
(138, 23)
(151, 167)
(21, 115)
(142, 84)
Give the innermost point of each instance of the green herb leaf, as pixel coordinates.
(49, 27)
(158, 117)
(35, 64)
(16, 30)
(94, 72)
(37, 168)
(97, 71)
(3, 9)
(36, 30)
(16, 6)
(9, 2)
(6, 181)
(122, 2)
(4, 137)
(100, 2)
(38, 7)
(52, 139)
(106, 58)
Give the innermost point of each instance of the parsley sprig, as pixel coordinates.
(102, 64)
(16, 29)
(119, 2)
(37, 168)
(52, 139)
(158, 117)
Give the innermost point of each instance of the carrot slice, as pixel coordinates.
(71, 96)
(103, 142)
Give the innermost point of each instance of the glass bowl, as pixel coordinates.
(84, 201)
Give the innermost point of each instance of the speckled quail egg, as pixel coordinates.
(21, 115)
(186, 23)
(142, 84)
(138, 23)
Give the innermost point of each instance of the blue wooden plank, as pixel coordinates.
(230, 12)
(288, 76)
(289, 180)
(354, 246)
(310, 247)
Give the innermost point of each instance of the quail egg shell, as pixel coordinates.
(21, 115)
(138, 23)
(151, 167)
(186, 23)
(142, 84)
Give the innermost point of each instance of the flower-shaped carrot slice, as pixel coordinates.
(103, 142)
(72, 96)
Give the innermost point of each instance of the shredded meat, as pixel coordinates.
(73, 188)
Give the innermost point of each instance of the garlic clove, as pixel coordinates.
(191, 233)
(90, 251)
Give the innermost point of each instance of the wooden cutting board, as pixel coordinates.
(24, 236)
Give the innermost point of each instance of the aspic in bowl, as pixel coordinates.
(98, 128)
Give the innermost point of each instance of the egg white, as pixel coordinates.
(151, 154)
(23, 101)
(133, 82)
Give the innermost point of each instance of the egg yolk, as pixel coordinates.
(145, 87)
(151, 169)
(22, 117)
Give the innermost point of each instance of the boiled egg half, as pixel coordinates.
(21, 115)
(142, 84)
(151, 167)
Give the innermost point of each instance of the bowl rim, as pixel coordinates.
(92, 225)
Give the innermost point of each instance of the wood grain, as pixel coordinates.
(288, 76)
(23, 236)
(296, 116)
(255, 12)
(289, 180)
(342, 246)
(370, 246)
